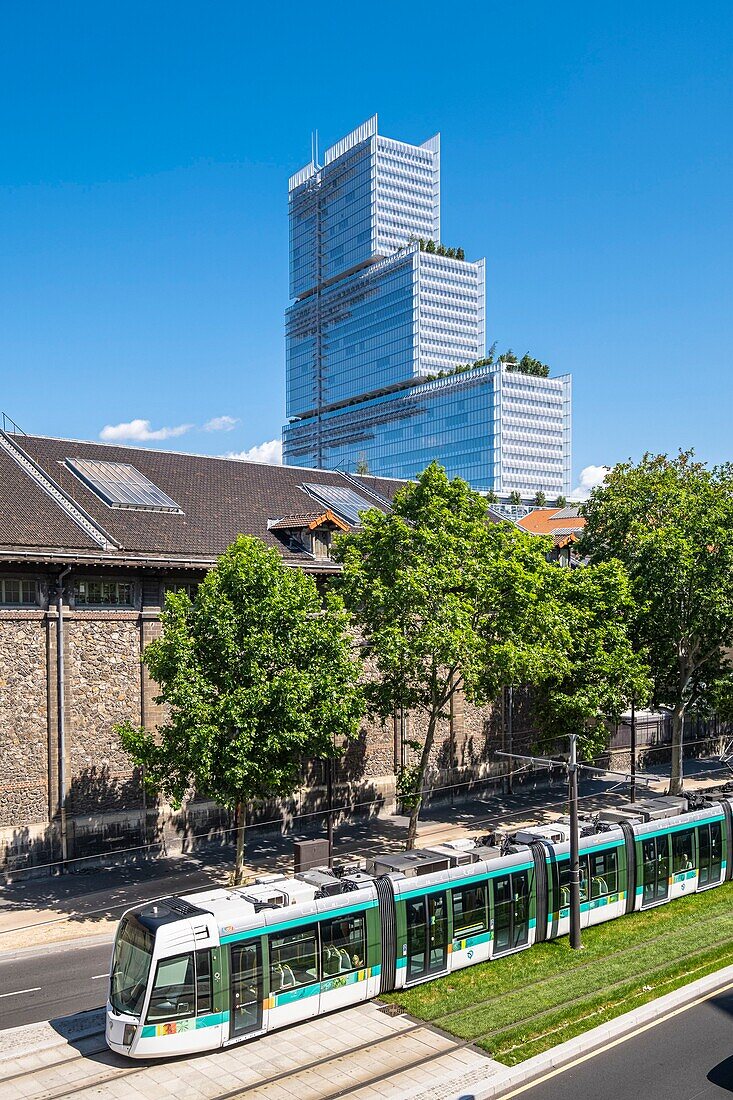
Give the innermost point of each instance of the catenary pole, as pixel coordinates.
(633, 750)
(575, 941)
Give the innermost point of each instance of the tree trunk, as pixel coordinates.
(425, 757)
(676, 770)
(240, 821)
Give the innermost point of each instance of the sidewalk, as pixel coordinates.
(36, 912)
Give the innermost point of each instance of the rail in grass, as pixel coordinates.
(225, 965)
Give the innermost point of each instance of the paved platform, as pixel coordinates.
(361, 1053)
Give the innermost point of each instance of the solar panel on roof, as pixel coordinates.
(345, 502)
(120, 485)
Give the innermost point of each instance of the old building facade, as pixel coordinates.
(91, 538)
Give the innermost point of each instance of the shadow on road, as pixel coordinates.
(722, 1075)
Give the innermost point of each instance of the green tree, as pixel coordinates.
(561, 501)
(670, 521)
(460, 254)
(430, 245)
(362, 466)
(257, 676)
(540, 500)
(604, 672)
(515, 497)
(446, 601)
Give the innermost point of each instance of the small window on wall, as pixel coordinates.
(93, 592)
(189, 587)
(18, 592)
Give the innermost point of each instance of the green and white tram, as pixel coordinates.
(222, 966)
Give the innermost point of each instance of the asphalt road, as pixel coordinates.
(687, 1057)
(55, 982)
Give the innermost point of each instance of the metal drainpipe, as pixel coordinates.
(60, 711)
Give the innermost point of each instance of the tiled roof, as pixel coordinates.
(220, 499)
(546, 521)
(307, 519)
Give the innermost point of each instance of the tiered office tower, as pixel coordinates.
(380, 310)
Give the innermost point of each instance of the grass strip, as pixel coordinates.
(550, 993)
(517, 1044)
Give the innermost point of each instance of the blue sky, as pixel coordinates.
(586, 152)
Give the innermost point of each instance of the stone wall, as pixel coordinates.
(23, 718)
(105, 684)
(103, 689)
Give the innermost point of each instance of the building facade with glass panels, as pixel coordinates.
(376, 315)
(497, 429)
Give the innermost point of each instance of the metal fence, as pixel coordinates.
(654, 731)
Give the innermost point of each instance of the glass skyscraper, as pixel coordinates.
(377, 313)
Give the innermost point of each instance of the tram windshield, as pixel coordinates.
(130, 967)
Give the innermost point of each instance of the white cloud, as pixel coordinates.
(271, 452)
(221, 424)
(139, 431)
(590, 476)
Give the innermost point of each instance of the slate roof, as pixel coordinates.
(220, 498)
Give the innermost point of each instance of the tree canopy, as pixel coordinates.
(670, 522)
(446, 601)
(257, 676)
(603, 672)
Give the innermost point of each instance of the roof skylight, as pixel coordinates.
(120, 485)
(345, 502)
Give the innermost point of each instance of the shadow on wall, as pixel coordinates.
(95, 789)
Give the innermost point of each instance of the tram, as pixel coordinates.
(223, 966)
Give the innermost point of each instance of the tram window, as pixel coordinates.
(293, 959)
(716, 851)
(173, 990)
(565, 882)
(203, 982)
(343, 944)
(469, 909)
(683, 858)
(603, 873)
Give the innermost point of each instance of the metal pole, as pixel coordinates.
(452, 754)
(61, 714)
(329, 781)
(633, 750)
(575, 941)
(510, 739)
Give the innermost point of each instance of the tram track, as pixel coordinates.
(636, 946)
(122, 1071)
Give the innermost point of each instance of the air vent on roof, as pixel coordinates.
(120, 485)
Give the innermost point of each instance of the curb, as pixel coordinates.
(484, 1088)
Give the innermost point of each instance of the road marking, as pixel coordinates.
(17, 993)
(95, 976)
(616, 1042)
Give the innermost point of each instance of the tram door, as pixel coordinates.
(710, 843)
(245, 965)
(511, 911)
(655, 867)
(427, 936)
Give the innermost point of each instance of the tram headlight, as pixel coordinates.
(129, 1035)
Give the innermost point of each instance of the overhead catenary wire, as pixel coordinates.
(351, 807)
(350, 855)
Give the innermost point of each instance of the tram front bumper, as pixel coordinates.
(120, 1032)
